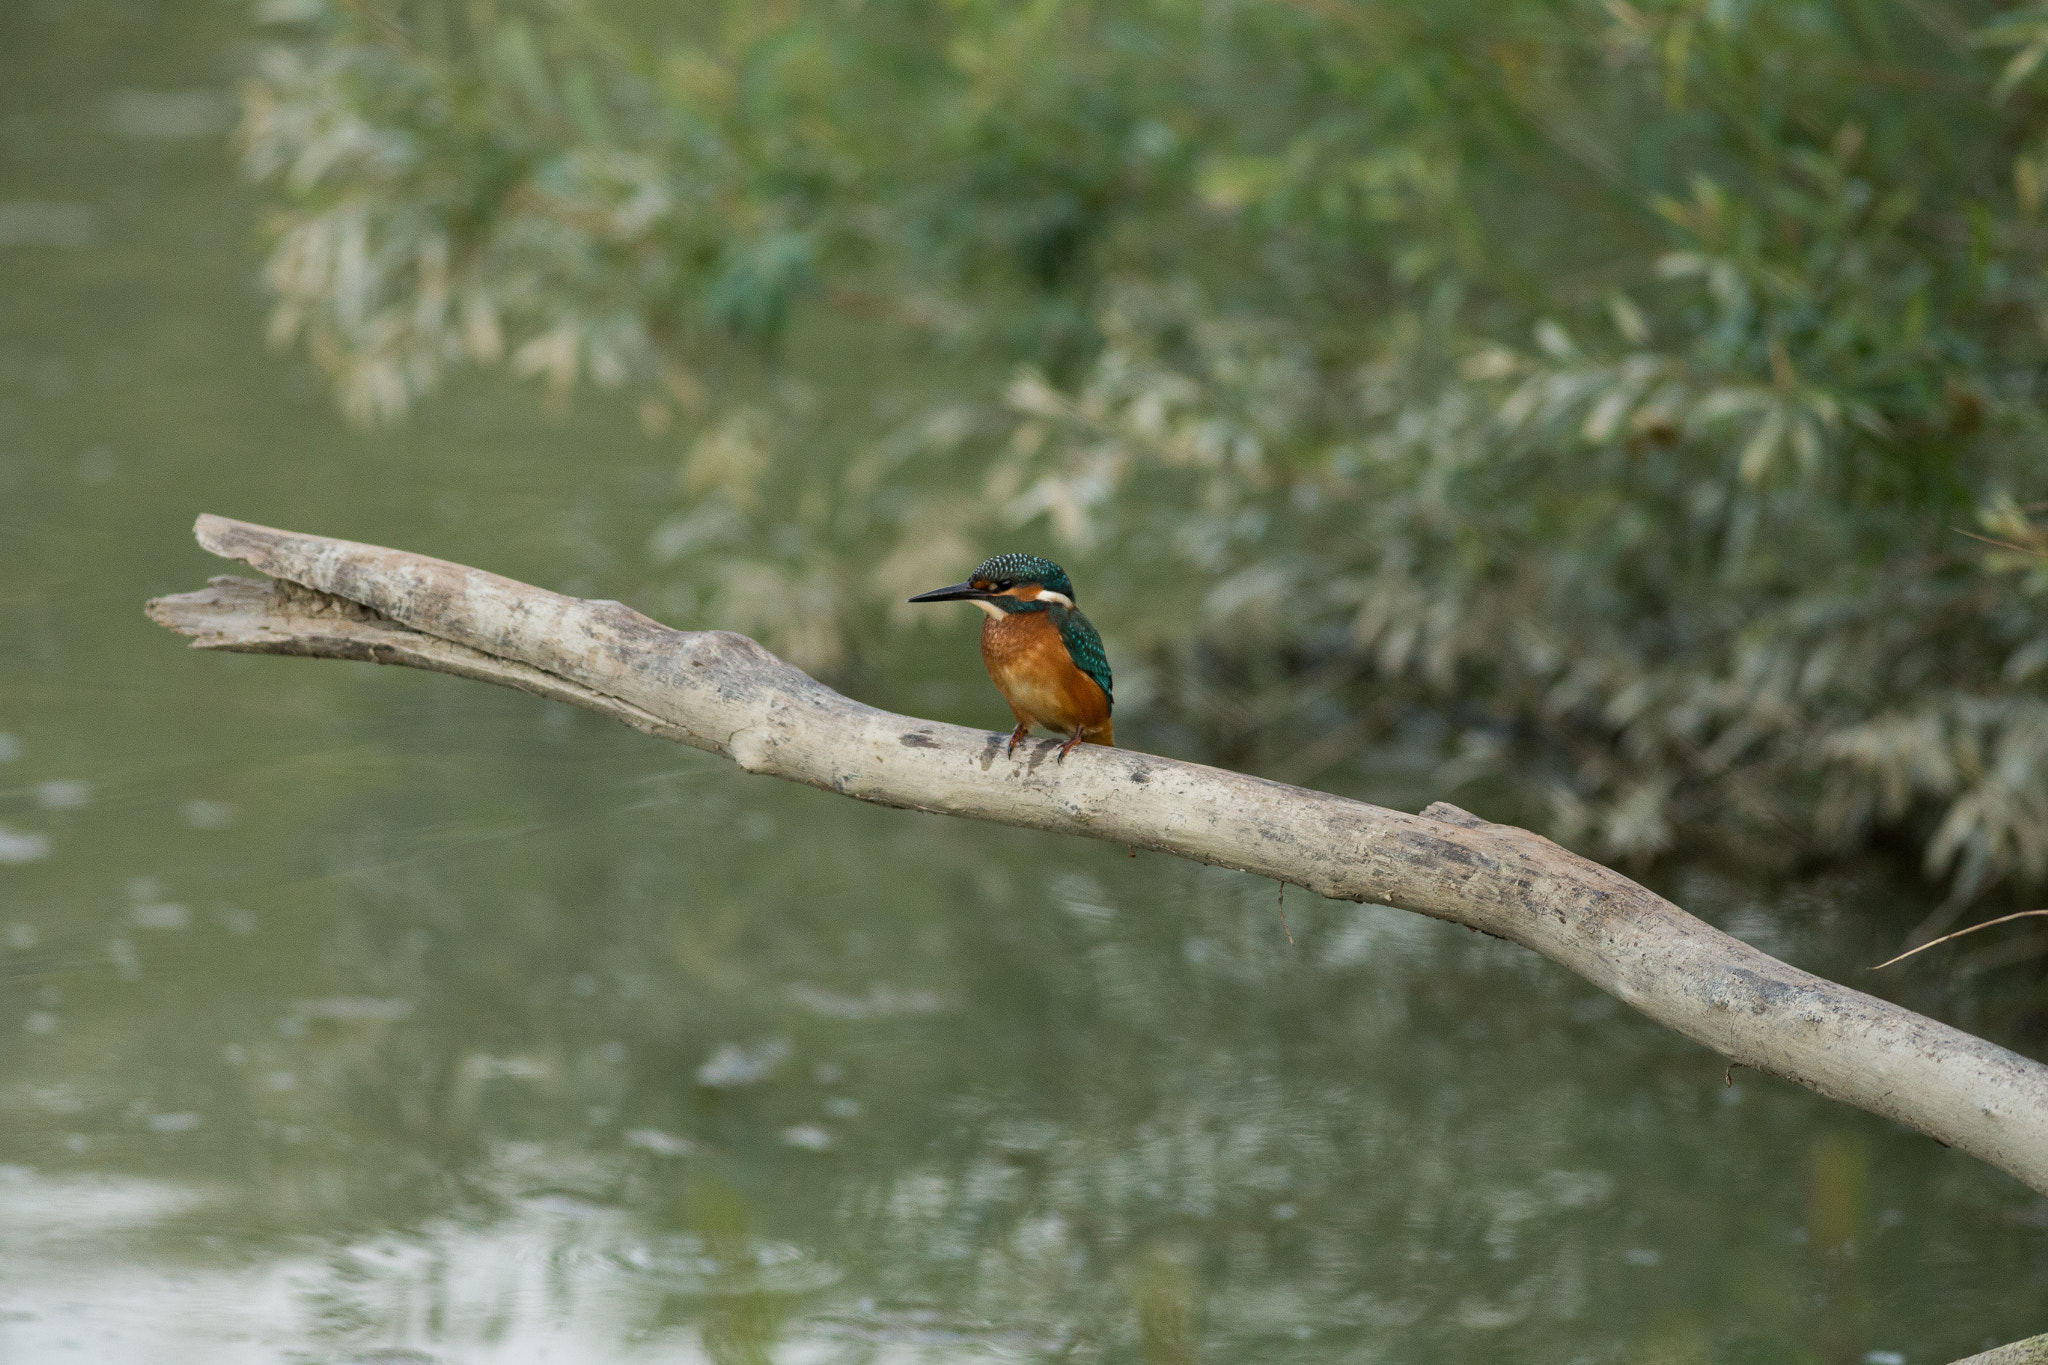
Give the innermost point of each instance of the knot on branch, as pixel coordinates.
(1445, 813)
(751, 748)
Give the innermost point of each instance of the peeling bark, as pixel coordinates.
(725, 694)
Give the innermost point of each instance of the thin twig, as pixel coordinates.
(1283, 915)
(2002, 919)
(2002, 544)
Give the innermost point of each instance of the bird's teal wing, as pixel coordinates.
(1084, 647)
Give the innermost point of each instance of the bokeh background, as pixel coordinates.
(1573, 410)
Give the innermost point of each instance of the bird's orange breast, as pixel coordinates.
(1030, 666)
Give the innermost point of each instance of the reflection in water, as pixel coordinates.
(354, 1016)
(551, 1279)
(1837, 1209)
(477, 1096)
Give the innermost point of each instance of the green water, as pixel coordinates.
(354, 1015)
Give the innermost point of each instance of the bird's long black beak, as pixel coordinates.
(959, 592)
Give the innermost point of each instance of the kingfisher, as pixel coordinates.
(1041, 652)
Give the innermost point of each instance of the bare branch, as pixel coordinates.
(725, 694)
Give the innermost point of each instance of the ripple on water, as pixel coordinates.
(685, 1265)
(23, 846)
(930, 1327)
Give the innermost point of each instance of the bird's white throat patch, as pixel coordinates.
(992, 609)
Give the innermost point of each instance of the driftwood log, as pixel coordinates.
(727, 695)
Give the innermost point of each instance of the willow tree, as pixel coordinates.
(1604, 383)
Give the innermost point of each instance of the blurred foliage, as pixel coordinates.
(1594, 390)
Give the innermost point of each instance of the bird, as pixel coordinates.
(1042, 654)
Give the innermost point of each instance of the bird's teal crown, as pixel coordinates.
(1025, 569)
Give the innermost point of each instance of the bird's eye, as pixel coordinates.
(1005, 585)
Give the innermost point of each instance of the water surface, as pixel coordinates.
(348, 1015)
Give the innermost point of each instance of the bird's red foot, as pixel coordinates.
(1068, 745)
(1017, 736)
